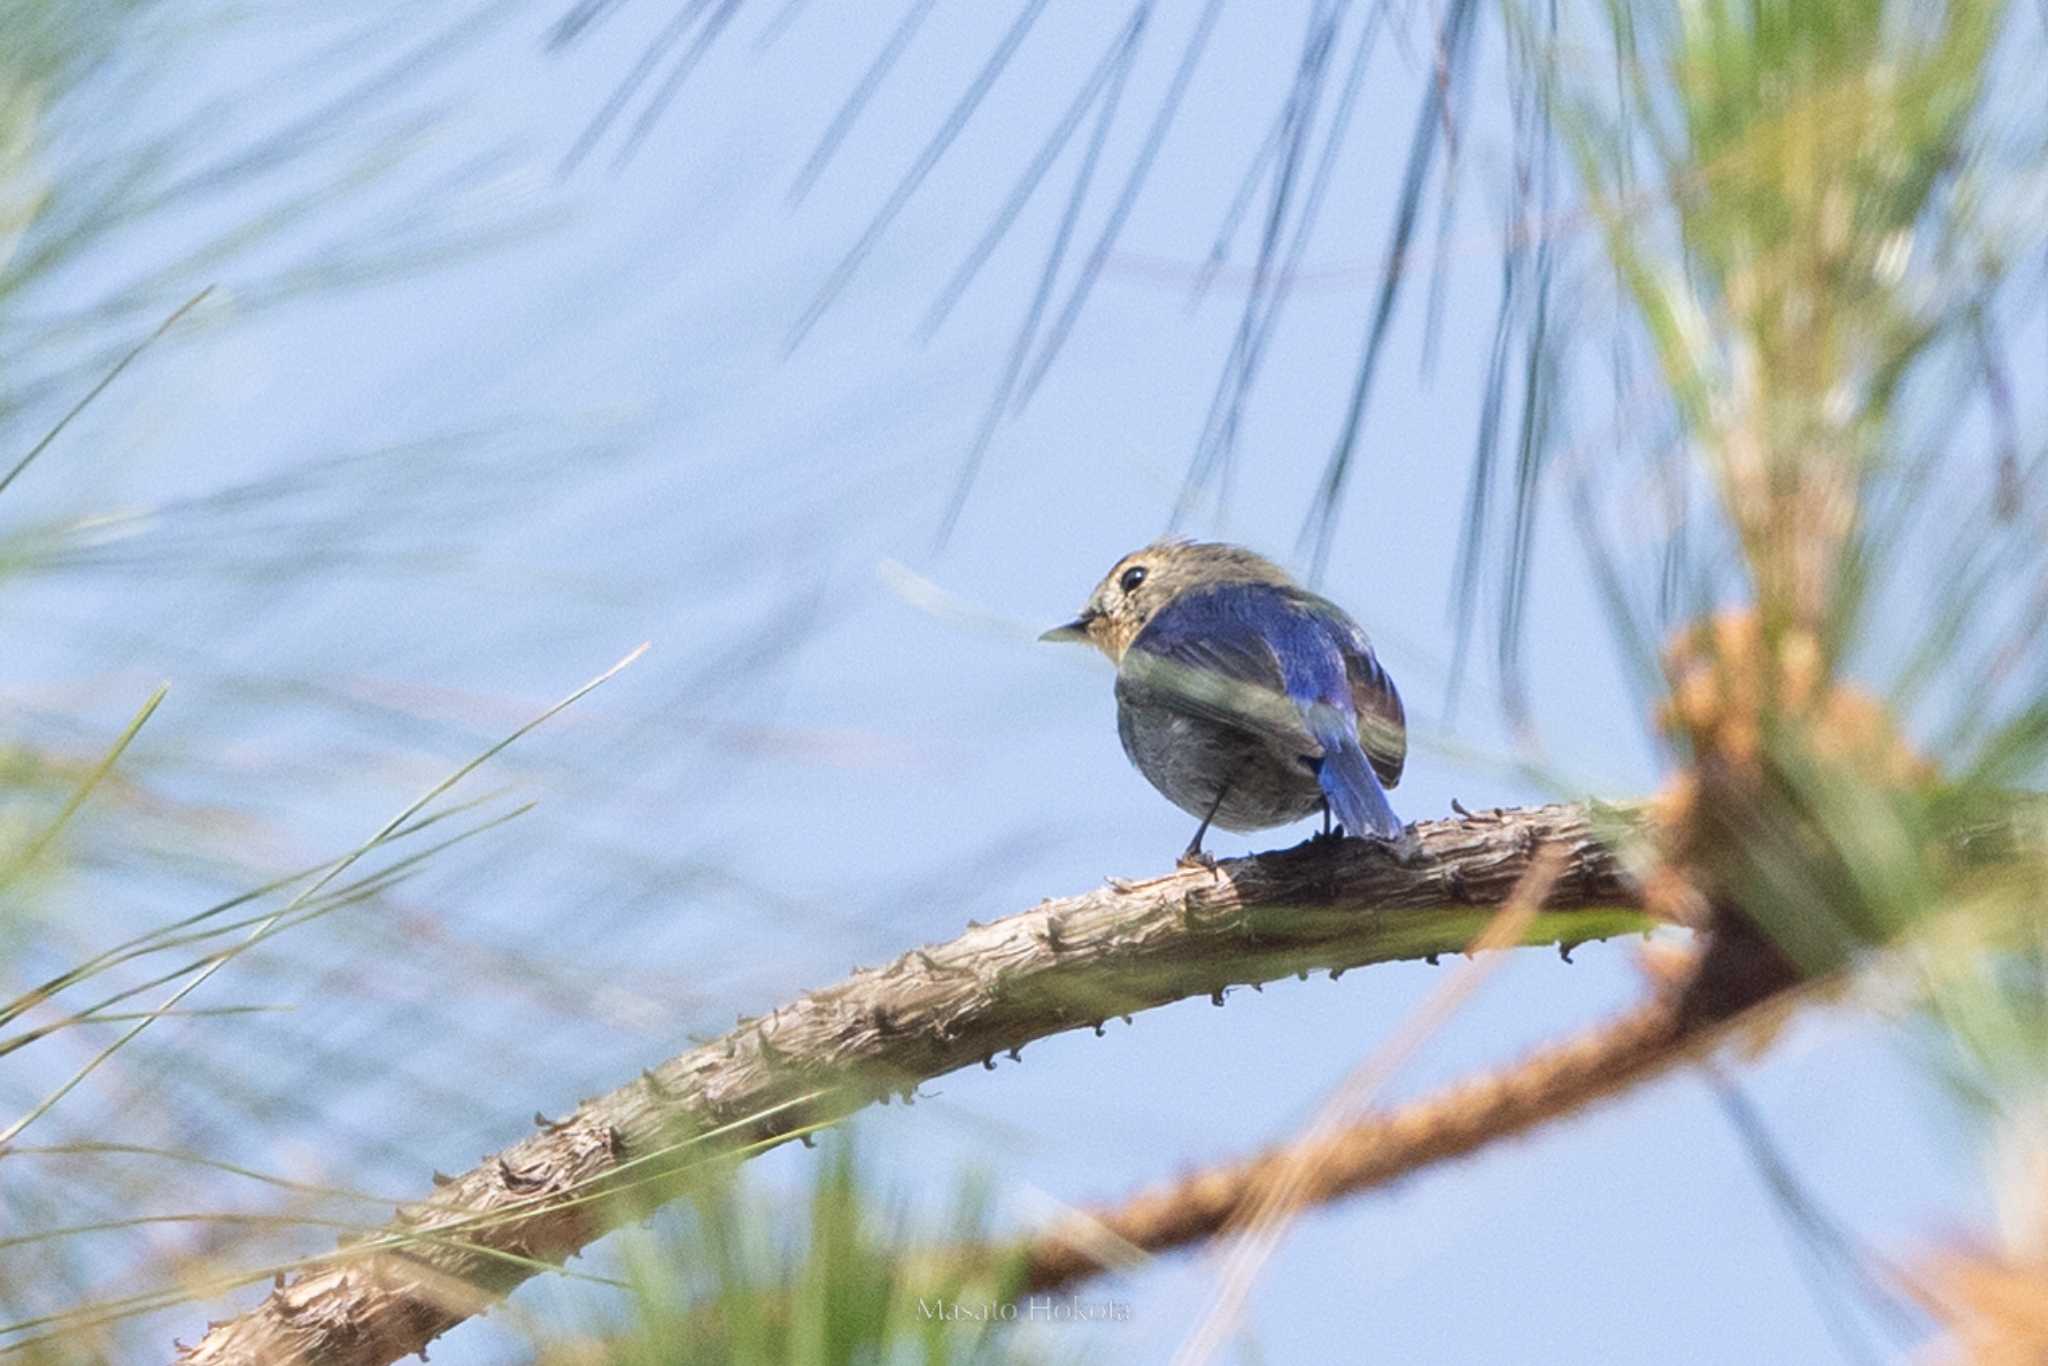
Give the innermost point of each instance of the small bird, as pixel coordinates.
(1243, 697)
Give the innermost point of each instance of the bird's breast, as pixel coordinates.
(1193, 759)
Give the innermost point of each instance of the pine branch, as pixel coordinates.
(1556, 1081)
(1060, 965)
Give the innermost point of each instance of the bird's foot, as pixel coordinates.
(1197, 858)
(1405, 849)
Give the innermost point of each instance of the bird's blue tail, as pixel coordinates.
(1347, 779)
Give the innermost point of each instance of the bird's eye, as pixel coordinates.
(1132, 577)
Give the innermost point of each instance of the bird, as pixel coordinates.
(1246, 699)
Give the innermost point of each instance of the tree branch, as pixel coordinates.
(1691, 1009)
(1549, 1084)
(1060, 965)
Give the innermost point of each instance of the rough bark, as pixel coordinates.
(1737, 980)
(1062, 964)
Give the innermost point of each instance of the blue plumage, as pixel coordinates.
(1247, 700)
(1347, 780)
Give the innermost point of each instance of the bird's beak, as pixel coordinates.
(1075, 630)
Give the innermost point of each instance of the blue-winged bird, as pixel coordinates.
(1246, 699)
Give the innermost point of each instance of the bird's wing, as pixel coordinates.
(1284, 665)
(1382, 722)
(1381, 717)
(1243, 654)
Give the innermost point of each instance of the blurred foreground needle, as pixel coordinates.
(122, 364)
(266, 927)
(1278, 1194)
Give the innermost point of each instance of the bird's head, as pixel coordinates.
(1144, 581)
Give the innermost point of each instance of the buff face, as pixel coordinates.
(1142, 582)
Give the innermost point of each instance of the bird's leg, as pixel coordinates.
(1193, 857)
(1330, 828)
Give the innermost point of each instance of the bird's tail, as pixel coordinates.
(1347, 779)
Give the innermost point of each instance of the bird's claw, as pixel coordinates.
(1404, 849)
(1197, 858)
